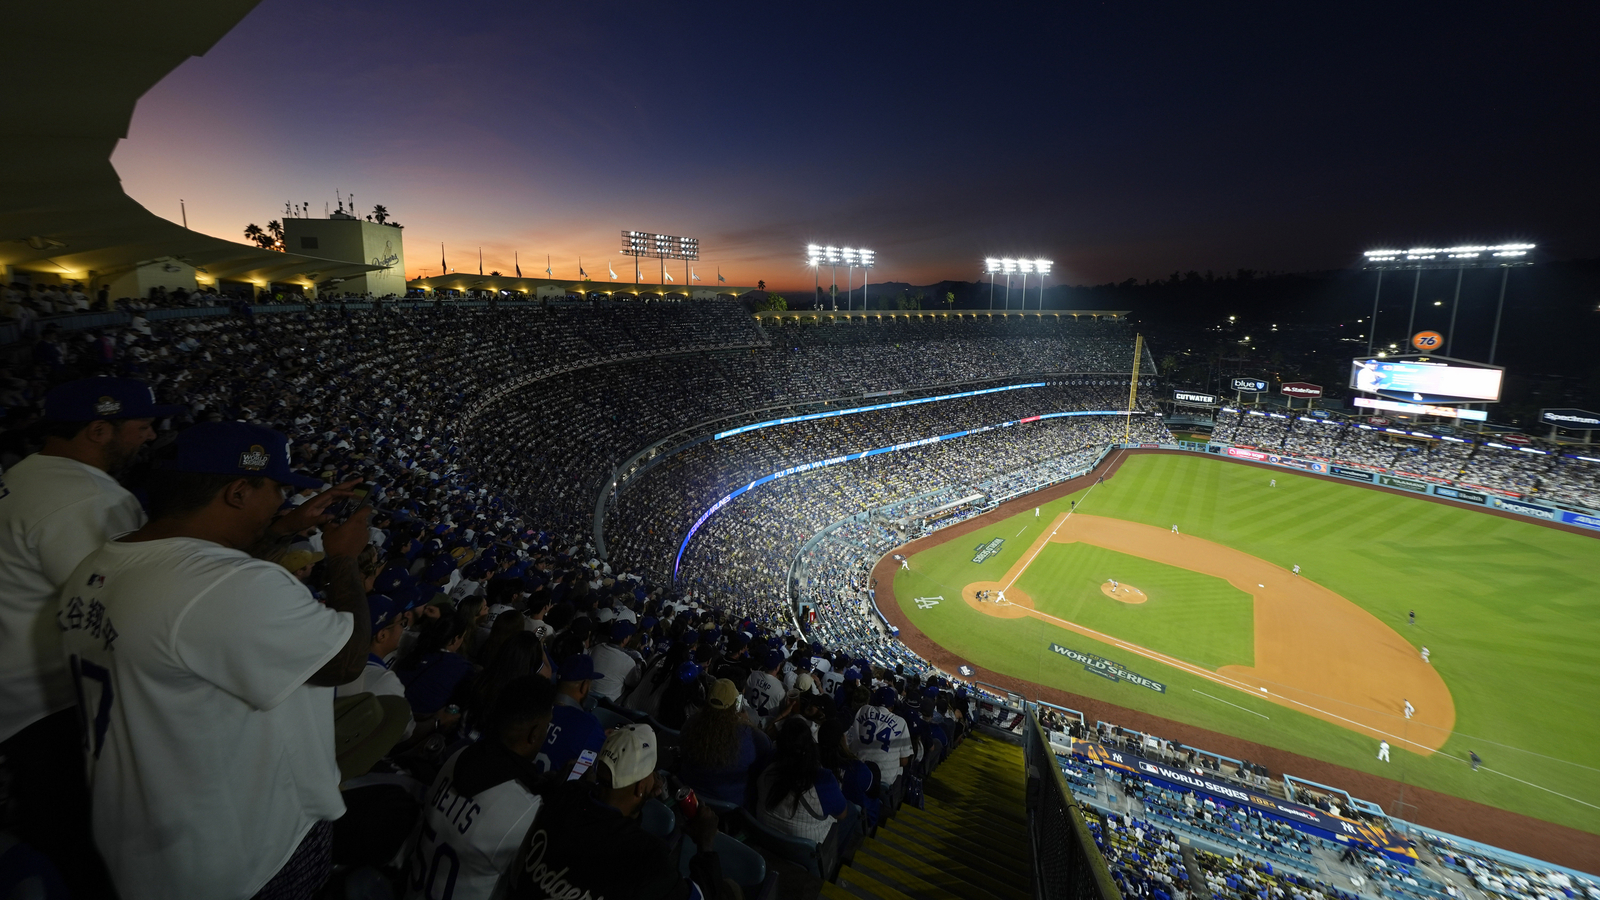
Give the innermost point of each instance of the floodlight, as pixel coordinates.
(991, 265)
(1008, 265)
(1025, 265)
(1463, 256)
(831, 254)
(848, 256)
(1042, 266)
(867, 258)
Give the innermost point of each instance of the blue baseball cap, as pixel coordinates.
(88, 399)
(621, 629)
(392, 578)
(688, 670)
(382, 610)
(578, 667)
(774, 659)
(235, 448)
(884, 696)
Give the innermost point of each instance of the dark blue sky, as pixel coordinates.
(1120, 139)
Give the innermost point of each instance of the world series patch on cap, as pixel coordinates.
(235, 448)
(88, 399)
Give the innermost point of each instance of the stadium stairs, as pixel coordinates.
(969, 843)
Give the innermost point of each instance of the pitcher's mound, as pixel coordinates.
(1125, 593)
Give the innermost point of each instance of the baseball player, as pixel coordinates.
(1113, 585)
(204, 663)
(1036, 512)
(56, 507)
(1413, 617)
(1476, 759)
(1425, 655)
(1409, 709)
(1174, 529)
(1297, 570)
(905, 563)
(484, 799)
(1383, 751)
(1272, 483)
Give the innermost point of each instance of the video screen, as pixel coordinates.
(1422, 382)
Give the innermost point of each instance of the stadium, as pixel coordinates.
(465, 586)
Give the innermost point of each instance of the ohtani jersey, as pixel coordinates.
(209, 757)
(765, 694)
(882, 737)
(466, 842)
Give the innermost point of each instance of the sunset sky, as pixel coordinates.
(1120, 139)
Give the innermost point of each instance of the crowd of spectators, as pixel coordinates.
(1471, 460)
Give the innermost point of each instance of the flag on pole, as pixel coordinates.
(720, 279)
(668, 274)
(547, 267)
(611, 270)
(694, 275)
(518, 263)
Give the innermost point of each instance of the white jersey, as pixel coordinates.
(209, 757)
(612, 666)
(466, 843)
(765, 695)
(882, 737)
(377, 679)
(831, 682)
(54, 511)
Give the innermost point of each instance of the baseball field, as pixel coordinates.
(1209, 625)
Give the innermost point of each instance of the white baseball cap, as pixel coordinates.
(630, 754)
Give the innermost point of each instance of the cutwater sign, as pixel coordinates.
(1107, 668)
(987, 550)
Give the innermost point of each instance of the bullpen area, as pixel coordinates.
(1169, 588)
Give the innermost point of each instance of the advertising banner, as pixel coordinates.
(1403, 483)
(1249, 385)
(1347, 472)
(1300, 389)
(1244, 453)
(1570, 418)
(1526, 509)
(1109, 669)
(1301, 464)
(1370, 835)
(1583, 520)
(1199, 398)
(1423, 409)
(1458, 494)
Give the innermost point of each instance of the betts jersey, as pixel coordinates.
(466, 842)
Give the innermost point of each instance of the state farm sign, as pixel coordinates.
(1300, 389)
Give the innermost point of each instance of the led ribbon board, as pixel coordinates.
(850, 457)
(861, 409)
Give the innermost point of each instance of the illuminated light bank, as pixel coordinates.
(877, 406)
(851, 457)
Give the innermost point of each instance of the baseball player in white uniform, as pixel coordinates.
(1409, 709)
(484, 799)
(1383, 751)
(1174, 529)
(1113, 585)
(1297, 569)
(1425, 655)
(1272, 483)
(56, 507)
(207, 675)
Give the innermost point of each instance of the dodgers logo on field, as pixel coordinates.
(254, 459)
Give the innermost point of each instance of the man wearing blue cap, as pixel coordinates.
(56, 507)
(573, 729)
(376, 678)
(208, 676)
(879, 735)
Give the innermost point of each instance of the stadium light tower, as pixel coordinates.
(865, 259)
(814, 260)
(1026, 265)
(1042, 266)
(1008, 266)
(991, 267)
(848, 254)
(831, 256)
(1504, 257)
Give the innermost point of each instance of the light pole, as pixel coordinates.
(1504, 257)
(814, 260)
(991, 266)
(1008, 265)
(831, 254)
(1026, 265)
(864, 259)
(852, 258)
(1042, 266)
(849, 256)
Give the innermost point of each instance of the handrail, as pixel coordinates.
(1066, 863)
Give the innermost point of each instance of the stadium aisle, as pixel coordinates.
(970, 842)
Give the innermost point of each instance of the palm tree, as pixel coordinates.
(380, 214)
(253, 233)
(275, 228)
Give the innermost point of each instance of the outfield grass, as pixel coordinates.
(1510, 611)
(1189, 616)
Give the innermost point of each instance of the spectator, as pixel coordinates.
(796, 794)
(57, 507)
(432, 671)
(217, 663)
(719, 748)
(573, 729)
(615, 659)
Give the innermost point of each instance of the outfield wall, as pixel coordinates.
(1477, 496)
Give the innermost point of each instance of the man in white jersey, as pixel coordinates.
(484, 799)
(376, 678)
(206, 676)
(764, 691)
(880, 736)
(56, 507)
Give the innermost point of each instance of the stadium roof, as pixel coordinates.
(62, 206)
(463, 281)
(936, 313)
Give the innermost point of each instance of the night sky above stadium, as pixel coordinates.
(1120, 139)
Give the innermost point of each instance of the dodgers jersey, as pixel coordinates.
(765, 694)
(572, 731)
(466, 843)
(209, 757)
(882, 737)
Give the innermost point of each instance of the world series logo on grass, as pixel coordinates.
(1107, 668)
(987, 550)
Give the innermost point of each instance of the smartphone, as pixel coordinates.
(344, 509)
(585, 760)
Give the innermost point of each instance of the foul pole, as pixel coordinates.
(1133, 387)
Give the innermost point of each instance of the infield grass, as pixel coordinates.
(1510, 611)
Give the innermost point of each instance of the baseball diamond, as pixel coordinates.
(1505, 607)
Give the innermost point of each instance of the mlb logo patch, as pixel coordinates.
(107, 406)
(254, 459)
(97, 581)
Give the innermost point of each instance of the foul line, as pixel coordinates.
(1540, 787)
(1072, 508)
(1234, 705)
(1019, 531)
